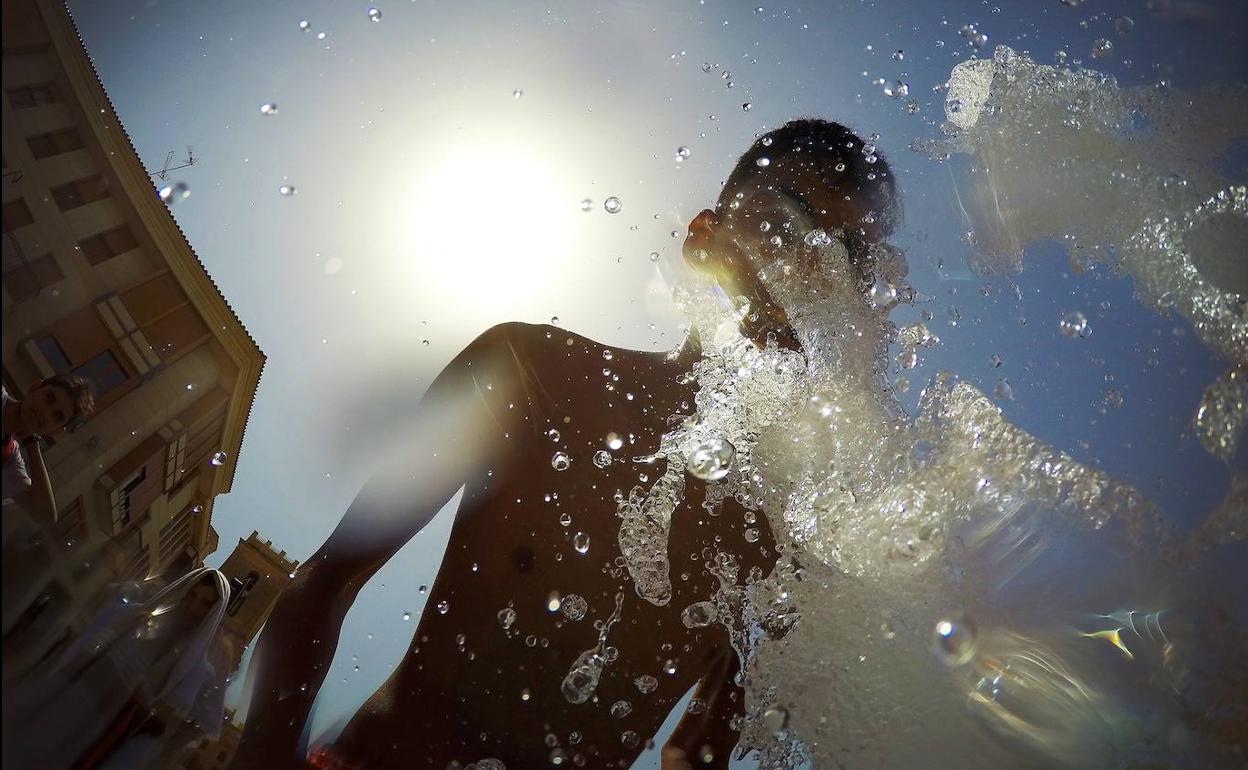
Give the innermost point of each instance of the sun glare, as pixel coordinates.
(491, 225)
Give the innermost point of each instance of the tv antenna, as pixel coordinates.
(187, 162)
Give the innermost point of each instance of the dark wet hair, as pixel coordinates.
(824, 145)
(80, 396)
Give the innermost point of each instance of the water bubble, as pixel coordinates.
(565, 518)
(506, 617)
(580, 541)
(776, 719)
(574, 607)
(612, 205)
(883, 294)
(305, 26)
(1002, 390)
(217, 459)
(407, 616)
(602, 458)
(1073, 324)
(174, 193)
(646, 684)
(711, 459)
(763, 162)
(286, 190)
(443, 607)
(751, 535)
(1113, 398)
(1102, 48)
(560, 461)
(953, 639)
(817, 237)
(746, 107)
(1124, 24)
(621, 709)
(553, 435)
(630, 739)
(995, 361)
(587, 204)
(698, 615)
(374, 14)
(682, 152)
(268, 108)
(706, 66)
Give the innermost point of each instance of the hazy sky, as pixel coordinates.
(439, 157)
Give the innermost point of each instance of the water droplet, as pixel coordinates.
(899, 55)
(305, 26)
(698, 615)
(1113, 398)
(1003, 390)
(286, 190)
(711, 460)
(525, 694)
(443, 607)
(763, 162)
(422, 590)
(776, 719)
(883, 294)
(602, 458)
(553, 601)
(995, 361)
(517, 94)
(612, 205)
(669, 667)
(1102, 48)
(751, 535)
(630, 739)
(746, 107)
(621, 709)
(816, 238)
(1073, 324)
(374, 14)
(407, 616)
(614, 442)
(320, 35)
(217, 459)
(553, 435)
(175, 193)
(953, 639)
(582, 678)
(560, 461)
(1124, 24)
(646, 684)
(506, 617)
(268, 108)
(580, 541)
(565, 518)
(574, 607)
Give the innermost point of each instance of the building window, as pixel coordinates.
(102, 247)
(51, 350)
(35, 95)
(103, 371)
(239, 589)
(121, 499)
(16, 214)
(55, 143)
(80, 192)
(26, 281)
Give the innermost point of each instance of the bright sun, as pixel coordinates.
(491, 225)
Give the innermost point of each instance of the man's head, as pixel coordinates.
(809, 174)
(57, 403)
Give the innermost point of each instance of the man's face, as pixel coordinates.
(47, 409)
(201, 598)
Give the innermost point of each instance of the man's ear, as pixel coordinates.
(698, 250)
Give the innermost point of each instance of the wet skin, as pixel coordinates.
(507, 548)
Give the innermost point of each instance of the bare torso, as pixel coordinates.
(469, 688)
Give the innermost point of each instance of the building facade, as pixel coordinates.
(98, 280)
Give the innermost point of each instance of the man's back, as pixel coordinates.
(537, 528)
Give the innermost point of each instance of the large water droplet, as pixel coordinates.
(621, 709)
(612, 205)
(580, 541)
(582, 678)
(953, 639)
(286, 190)
(710, 461)
(374, 14)
(1073, 324)
(602, 458)
(506, 617)
(574, 607)
(218, 459)
(646, 684)
(268, 108)
(560, 461)
(775, 719)
(698, 615)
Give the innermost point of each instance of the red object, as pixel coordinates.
(324, 759)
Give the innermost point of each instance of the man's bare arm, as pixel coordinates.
(453, 440)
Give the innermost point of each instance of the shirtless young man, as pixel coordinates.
(478, 681)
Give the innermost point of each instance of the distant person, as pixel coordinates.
(483, 677)
(127, 686)
(53, 405)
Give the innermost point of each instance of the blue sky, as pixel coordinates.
(338, 285)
